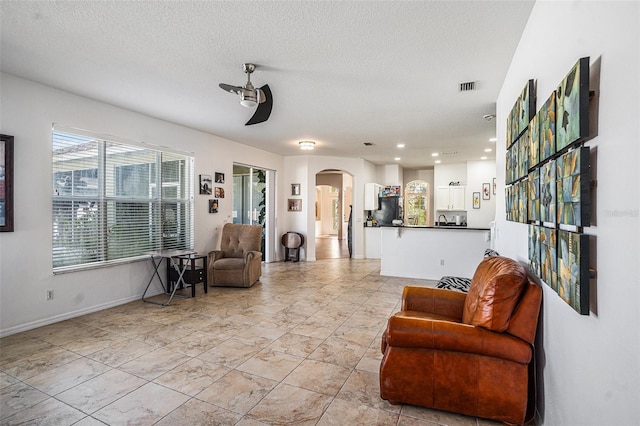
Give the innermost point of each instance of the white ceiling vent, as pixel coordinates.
(468, 86)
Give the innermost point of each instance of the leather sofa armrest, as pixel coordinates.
(436, 300)
(422, 333)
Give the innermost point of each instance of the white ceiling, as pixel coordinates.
(342, 73)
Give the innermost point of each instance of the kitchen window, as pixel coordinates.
(114, 201)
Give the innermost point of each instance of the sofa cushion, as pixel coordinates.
(494, 292)
(229, 263)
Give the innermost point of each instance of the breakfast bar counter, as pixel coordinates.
(431, 252)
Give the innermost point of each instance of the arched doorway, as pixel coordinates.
(334, 192)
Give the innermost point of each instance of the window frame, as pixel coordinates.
(108, 199)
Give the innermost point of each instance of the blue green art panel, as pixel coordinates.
(574, 207)
(548, 257)
(508, 166)
(534, 249)
(534, 141)
(522, 187)
(547, 124)
(573, 270)
(533, 195)
(548, 192)
(523, 154)
(572, 95)
(525, 106)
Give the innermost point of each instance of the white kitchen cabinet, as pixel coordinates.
(371, 193)
(450, 198)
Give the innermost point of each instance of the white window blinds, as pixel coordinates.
(114, 201)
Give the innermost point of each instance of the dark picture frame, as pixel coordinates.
(213, 206)
(476, 200)
(219, 177)
(205, 185)
(219, 192)
(6, 183)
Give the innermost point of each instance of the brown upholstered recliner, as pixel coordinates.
(238, 263)
(466, 353)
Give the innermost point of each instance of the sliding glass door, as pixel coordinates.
(251, 200)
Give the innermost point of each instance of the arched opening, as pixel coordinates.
(333, 237)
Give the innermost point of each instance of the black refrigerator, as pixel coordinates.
(389, 209)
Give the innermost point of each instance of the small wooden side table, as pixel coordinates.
(193, 273)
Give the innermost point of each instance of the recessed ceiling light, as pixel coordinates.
(307, 145)
(400, 145)
(438, 161)
(435, 154)
(487, 150)
(397, 158)
(483, 158)
(493, 139)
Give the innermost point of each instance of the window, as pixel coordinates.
(116, 201)
(416, 203)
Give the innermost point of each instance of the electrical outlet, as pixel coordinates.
(441, 262)
(49, 294)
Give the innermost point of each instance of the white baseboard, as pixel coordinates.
(57, 318)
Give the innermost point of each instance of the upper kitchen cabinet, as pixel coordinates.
(450, 198)
(371, 194)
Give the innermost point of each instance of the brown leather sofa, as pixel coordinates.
(238, 263)
(466, 353)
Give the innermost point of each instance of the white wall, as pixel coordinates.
(590, 364)
(478, 173)
(27, 112)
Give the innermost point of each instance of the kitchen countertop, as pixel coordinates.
(453, 227)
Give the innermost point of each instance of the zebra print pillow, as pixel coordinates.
(454, 283)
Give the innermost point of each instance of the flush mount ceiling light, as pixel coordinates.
(400, 145)
(435, 154)
(438, 161)
(487, 150)
(307, 145)
(397, 159)
(493, 139)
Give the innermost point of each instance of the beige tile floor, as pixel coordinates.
(300, 347)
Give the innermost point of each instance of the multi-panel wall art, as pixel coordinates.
(572, 94)
(574, 205)
(573, 272)
(547, 178)
(547, 124)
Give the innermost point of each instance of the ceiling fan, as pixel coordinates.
(250, 96)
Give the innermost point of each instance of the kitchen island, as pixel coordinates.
(431, 252)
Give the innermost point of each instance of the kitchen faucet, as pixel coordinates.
(440, 222)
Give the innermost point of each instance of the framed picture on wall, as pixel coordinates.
(219, 177)
(213, 206)
(494, 186)
(6, 183)
(476, 200)
(205, 184)
(295, 189)
(486, 191)
(294, 205)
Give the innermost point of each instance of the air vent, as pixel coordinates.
(368, 143)
(468, 86)
(449, 153)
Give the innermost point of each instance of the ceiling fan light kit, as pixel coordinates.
(307, 145)
(250, 96)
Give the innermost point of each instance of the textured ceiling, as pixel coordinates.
(342, 73)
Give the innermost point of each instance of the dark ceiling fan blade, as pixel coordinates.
(264, 107)
(230, 88)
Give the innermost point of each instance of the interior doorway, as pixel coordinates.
(253, 203)
(333, 235)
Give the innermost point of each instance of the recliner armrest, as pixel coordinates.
(215, 255)
(424, 333)
(438, 301)
(250, 255)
